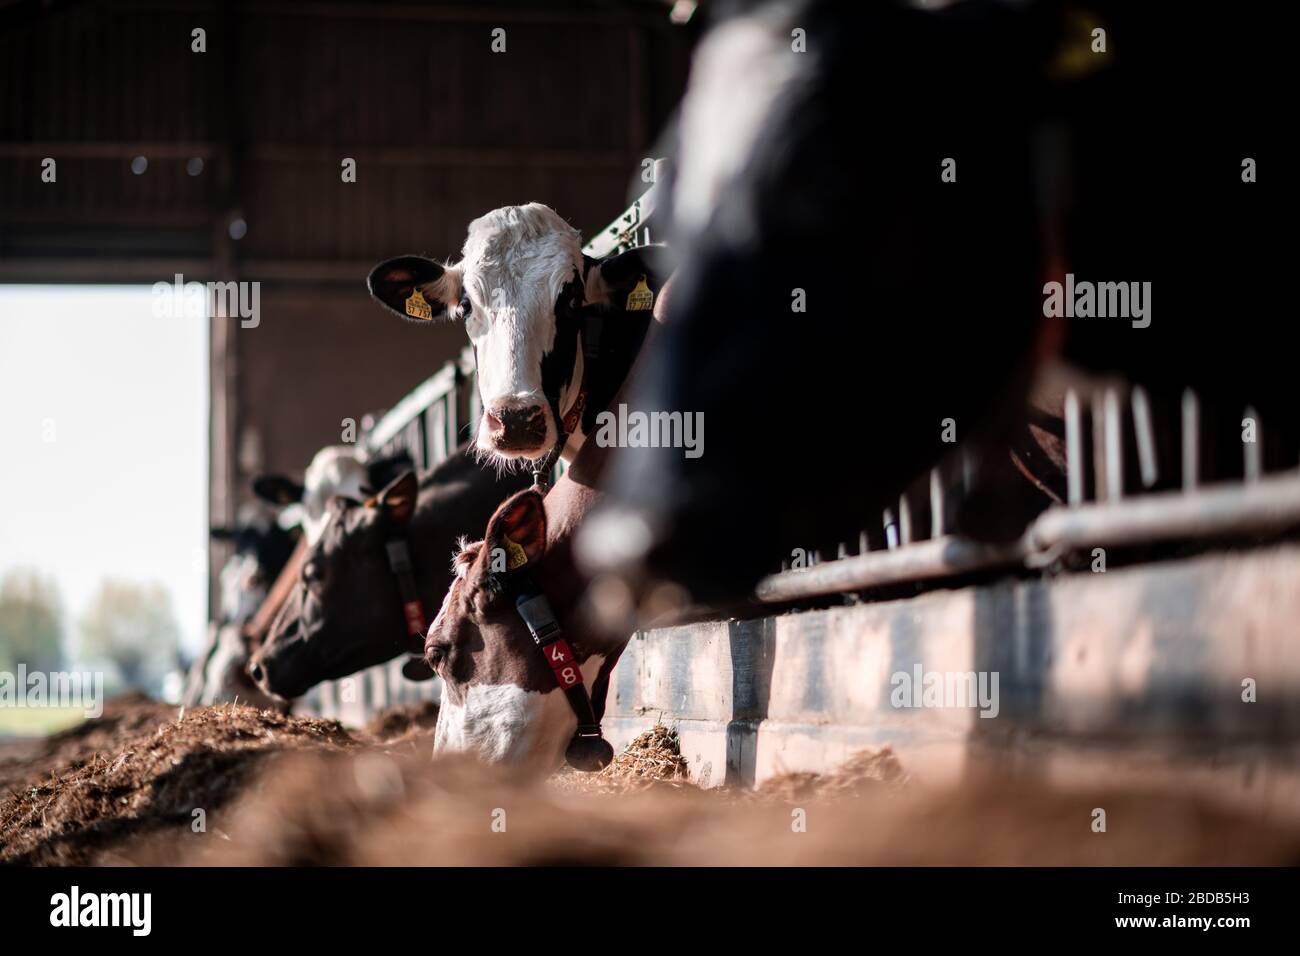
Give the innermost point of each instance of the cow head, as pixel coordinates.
(520, 266)
(500, 698)
(346, 613)
(334, 471)
(518, 288)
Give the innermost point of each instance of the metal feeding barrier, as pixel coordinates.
(1116, 516)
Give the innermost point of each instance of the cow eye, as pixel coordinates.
(466, 306)
(435, 654)
(311, 572)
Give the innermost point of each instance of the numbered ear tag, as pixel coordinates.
(516, 556)
(417, 307)
(641, 298)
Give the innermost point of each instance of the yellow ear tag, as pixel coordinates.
(516, 556)
(641, 298)
(417, 307)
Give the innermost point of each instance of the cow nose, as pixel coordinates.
(524, 425)
(513, 418)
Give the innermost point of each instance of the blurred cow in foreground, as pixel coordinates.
(853, 215)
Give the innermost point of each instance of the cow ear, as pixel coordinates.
(397, 500)
(381, 471)
(618, 280)
(416, 288)
(517, 532)
(277, 489)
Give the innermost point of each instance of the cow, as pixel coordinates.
(364, 584)
(859, 284)
(266, 552)
(262, 549)
(334, 470)
(554, 332)
(506, 697)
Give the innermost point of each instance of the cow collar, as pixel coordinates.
(588, 749)
(574, 327)
(399, 561)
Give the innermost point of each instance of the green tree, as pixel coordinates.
(132, 626)
(31, 622)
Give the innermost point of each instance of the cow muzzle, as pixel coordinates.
(517, 429)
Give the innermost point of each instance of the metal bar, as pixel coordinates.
(1252, 451)
(936, 504)
(1148, 465)
(451, 416)
(415, 402)
(1271, 504)
(891, 529)
(623, 232)
(939, 558)
(904, 521)
(1191, 434)
(1074, 447)
(1114, 433)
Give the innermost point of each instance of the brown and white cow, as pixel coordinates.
(507, 697)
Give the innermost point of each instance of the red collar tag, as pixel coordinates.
(415, 622)
(574, 415)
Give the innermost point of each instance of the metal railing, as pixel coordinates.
(1116, 516)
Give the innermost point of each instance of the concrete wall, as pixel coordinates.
(1134, 673)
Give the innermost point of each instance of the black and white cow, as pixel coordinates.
(852, 209)
(533, 306)
(335, 470)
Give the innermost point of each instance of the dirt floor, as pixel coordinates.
(231, 785)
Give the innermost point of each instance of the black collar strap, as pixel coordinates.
(399, 560)
(588, 750)
(575, 326)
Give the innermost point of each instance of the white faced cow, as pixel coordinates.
(530, 300)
